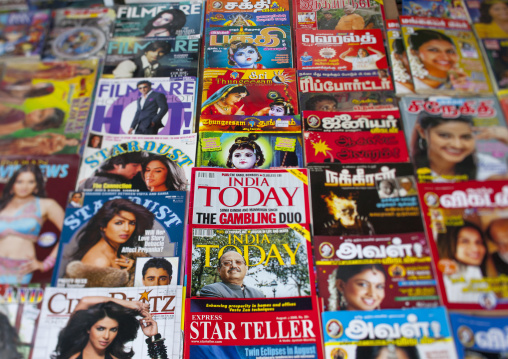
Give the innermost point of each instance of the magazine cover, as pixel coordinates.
(342, 15)
(44, 106)
(19, 311)
(332, 91)
(271, 263)
(79, 34)
(249, 92)
(115, 238)
(23, 33)
(219, 19)
(250, 123)
(239, 150)
(354, 137)
(403, 82)
(353, 50)
(13, 5)
(375, 272)
(34, 195)
(458, 65)
(479, 336)
(137, 163)
(497, 55)
(466, 223)
(256, 197)
(160, 19)
(249, 47)
(141, 319)
(487, 17)
(364, 199)
(253, 328)
(129, 57)
(456, 139)
(256, 6)
(168, 107)
(416, 333)
(442, 9)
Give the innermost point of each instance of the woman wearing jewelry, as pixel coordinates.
(162, 174)
(357, 287)
(223, 102)
(245, 153)
(401, 69)
(493, 21)
(364, 60)
(434, 62)
(23, 211)
(166, 23)
(100, 327)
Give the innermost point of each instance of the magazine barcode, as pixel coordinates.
(203, 232)
(206, 175)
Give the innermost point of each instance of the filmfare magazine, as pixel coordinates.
(342, 15)
(479, 336)
(397, 268)
(354, 137)
(345, 91)
(253, 197)
(439, 9)
(176, 57)
(138, 314)
(477, 122)
(238, 150)
(278, 261)
(364, 199)
(401, 70)
(253, 328)
(26, 32)
(389, 333)
(255, 6)
(464, 72)
(250, 123)
(79, 34)
(162, 19)
(333, 50)
(249, 47)
(19, 311)
(249, 92)
(93, 253)
(219, 19)
(57, 95)
(466, 223)
(32, 216)
(497, 54)
(169, 111)
(174, 156)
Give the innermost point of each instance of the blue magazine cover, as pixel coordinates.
(23, 33)
(122, 240)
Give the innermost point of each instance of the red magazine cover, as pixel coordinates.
(467, 227)
(353, 50)
(354, 137)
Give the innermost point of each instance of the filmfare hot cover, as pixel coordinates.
(250, 123)
(249, 197)
(396, 333)
(333, 50)
(364, 199)
(354, 137)
(184, 18)
(395, 268)
(249, 47)
(168, 106)
(473, 143)
(466, 224)
(137, 163)
(133, 322)
(463, 71)
(114, 238)
(249, 92)
(256, 6)
(34, 194)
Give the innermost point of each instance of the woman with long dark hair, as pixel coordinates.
(166, 23)
(493, 21)
(162, 174)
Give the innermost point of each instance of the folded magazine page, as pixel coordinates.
(401, 70)
(117, 238)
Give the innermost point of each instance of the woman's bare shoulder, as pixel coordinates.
(96, 258)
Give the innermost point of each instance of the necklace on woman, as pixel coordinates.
(223, 108)
(435, 78)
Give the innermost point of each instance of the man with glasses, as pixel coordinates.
(152, 106)
(232, 269)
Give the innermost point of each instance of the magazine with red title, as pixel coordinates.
(256, 6)
(334, 50)
(396, 270)
(250, 123)
(249, 92)
(249, 197)
(354, 137)
(466, 224)
(251, 18)
(401, 71)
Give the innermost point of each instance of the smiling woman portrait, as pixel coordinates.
(162, 174)
(223, 102)
(493, 21)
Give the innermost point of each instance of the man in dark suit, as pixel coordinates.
(152, 106)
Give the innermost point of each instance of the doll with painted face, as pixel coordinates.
(245, 153)
(279, 107)
(244, 55)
